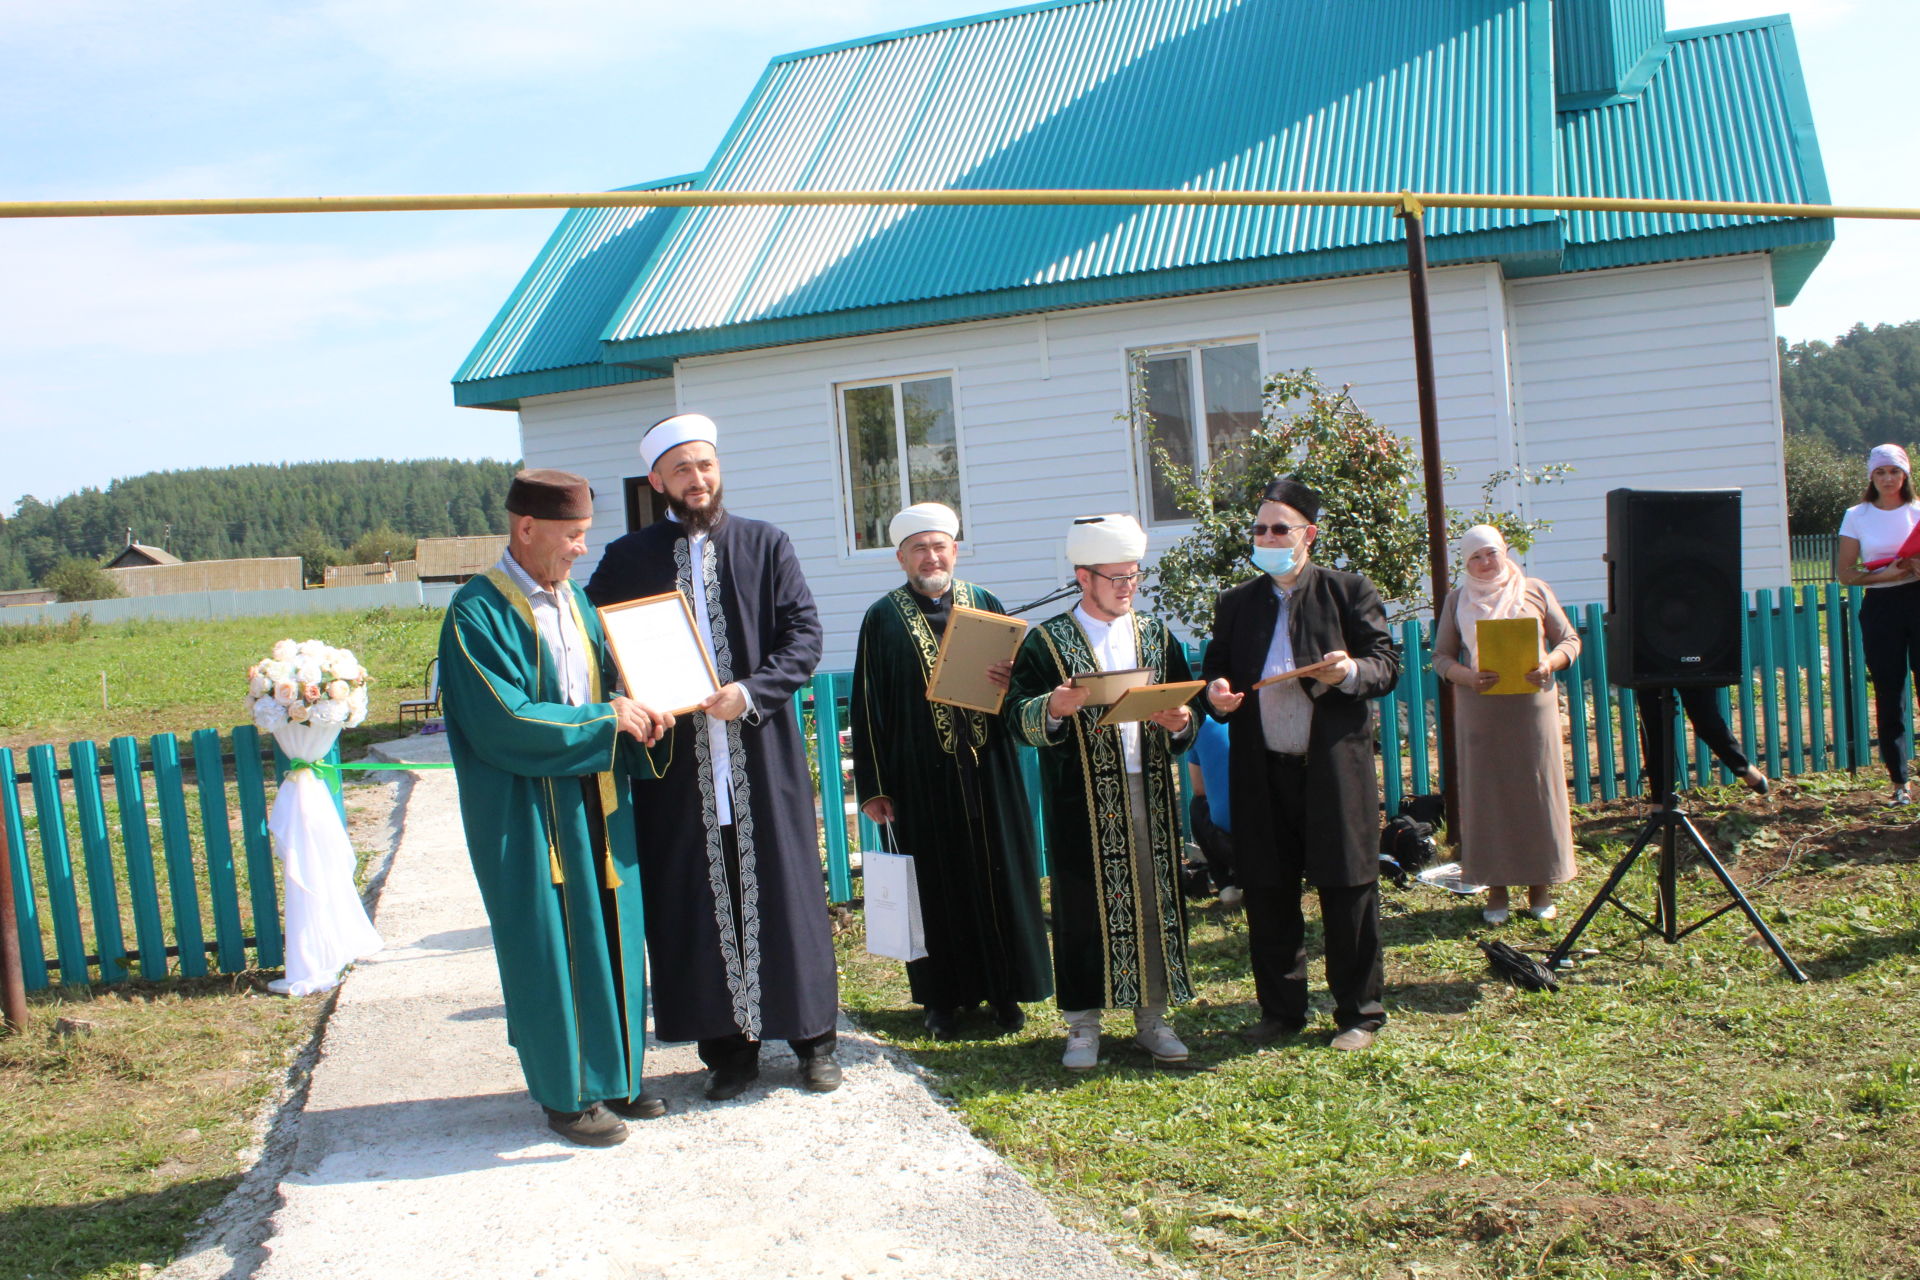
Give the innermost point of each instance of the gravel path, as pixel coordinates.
(419, 1154)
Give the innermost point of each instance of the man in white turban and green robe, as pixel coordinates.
(948, 781)
(1113, 826)
(543, 750)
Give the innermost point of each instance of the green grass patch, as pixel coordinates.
(1673, 1111)
(175, 677)
(116, 1140)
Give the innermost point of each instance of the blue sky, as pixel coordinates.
(131, 345)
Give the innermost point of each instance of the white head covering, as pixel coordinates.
(924, 517)
(670, 433)
(1108, 539)
(1477, 598)
(1888, 455)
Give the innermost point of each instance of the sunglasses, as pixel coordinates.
(1277, 530)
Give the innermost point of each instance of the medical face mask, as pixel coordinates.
(1274, 561)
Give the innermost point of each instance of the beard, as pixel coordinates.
(933, 586)
(702, 519)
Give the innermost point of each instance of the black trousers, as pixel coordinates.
(1277, 928)
(1890, 642)
(739, 1051)
(1702, 706)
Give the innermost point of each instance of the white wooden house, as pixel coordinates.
(860, 359)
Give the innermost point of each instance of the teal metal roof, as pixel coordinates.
(547, 338)
(1724, 118)
(1195, 94)
(1199, 94)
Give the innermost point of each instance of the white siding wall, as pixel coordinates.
(1640, 377)
(595, 434)
(1649, 378)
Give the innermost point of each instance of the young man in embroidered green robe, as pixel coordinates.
(1113, 825)
(543, 751)
(947, 780)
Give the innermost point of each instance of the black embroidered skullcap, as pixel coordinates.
(1296, 495)
(546, 494)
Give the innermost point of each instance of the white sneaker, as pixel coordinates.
(1494, 915)
(1156, 1037)
(1083, 1047)
(1231, 895)
(1547, 912)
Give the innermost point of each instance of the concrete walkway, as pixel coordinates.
(419, 1153)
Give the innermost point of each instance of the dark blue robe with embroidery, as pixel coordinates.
(767, 973)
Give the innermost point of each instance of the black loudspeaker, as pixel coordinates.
(1673, 587)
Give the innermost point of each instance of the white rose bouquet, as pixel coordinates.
(307, 683)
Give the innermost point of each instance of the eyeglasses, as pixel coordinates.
(1277, 530)
(1119, 579)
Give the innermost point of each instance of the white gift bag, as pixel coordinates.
(894, 927)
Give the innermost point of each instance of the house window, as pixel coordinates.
(899, 446)
(1200, 399)
(643, 507)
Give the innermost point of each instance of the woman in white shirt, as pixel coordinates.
(1871, 534)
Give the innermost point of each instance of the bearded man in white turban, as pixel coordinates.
(1113, 822)
(947, 780)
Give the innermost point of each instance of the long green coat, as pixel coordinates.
(1098, 893)
(568, 932)
(960, 809)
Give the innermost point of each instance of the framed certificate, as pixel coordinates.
(974, 641)
(663, 662)
(1104, 688)
(1142, 701)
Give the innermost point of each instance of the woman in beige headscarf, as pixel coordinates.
(1513, 826)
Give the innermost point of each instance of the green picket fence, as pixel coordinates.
(1802, 708)
(214, 872)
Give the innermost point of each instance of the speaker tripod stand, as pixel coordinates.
(1670, 825)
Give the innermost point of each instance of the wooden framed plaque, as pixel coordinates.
(1104, 688)
(1315, 669)
(663, 662)
(974, 641)
(1145, 700)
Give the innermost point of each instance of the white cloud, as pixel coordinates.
(172, 288)
(1806, 15)
(515, 39)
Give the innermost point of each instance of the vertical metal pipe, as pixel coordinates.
(13, 984)
(1410, 213)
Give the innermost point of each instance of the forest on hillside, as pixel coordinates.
(1837, 401)
(316, 510)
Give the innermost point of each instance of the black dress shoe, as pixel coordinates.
(594, 1127)
(943, 1024)
(647, 1106)
(730, 1084)
(1008, 1015)
(821, 1075)
(1270, 1029)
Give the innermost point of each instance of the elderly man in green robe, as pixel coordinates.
(947, 780)
(543, 751)
(1113, 821)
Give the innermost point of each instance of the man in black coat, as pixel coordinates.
(1305, 795)
(737, 927)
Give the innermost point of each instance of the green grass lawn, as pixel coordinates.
(113, 1143)
(1673, 1111)
(175, 677)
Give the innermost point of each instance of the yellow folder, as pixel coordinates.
(1510, 646)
